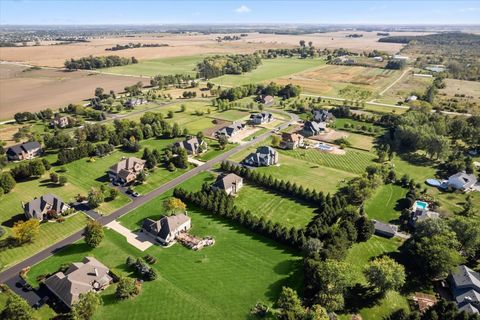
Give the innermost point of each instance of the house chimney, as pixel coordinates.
(95, 271)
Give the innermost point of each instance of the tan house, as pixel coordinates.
(80, 278)
(291, 141)
(24, 151)
(230, 183)
(60, 121)
(193, 146)
(167, 228)
(126, 170)
(267, 100)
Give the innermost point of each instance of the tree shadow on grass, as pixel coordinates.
(417, 159)
(293, 280)
(109, 299)
(361, 296)
(103, 178)
(16, 218)
(74, 248)
(49, 184)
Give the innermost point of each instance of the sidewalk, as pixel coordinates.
(139, 240)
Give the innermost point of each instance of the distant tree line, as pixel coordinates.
(446, 38)
(84, 150)
(136, 45)
(91, 62)
(177, 80)
(272, 89)
(216, 66)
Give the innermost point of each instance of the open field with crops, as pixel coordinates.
(268, 70)
(23, 89)
(408, 85)
(353, 161)
(330, 79)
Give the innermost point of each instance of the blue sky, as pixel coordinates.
(166, 12)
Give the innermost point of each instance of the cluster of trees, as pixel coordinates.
(432, 132)
(395, 64)
(216, 66)
(219, 203)
(152, 157)
(177, 80)
(21, 117)
(289, 307)
(91, 62)
(142, 268)
(272, 89)
(189, 94)
(266, 181)
(83, 150)
(7, 182)
(25, 231)
(34, 168)
(136, 45)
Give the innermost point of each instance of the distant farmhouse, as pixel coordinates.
(312, 128)
(132, 102)
(126, 170)
(24, 151)
(231, 130)
(80, 278)
(39, 208)
(60, 121)
(193, 146)
(411, 98)
(291, 141)
(230, 183)
(385, 229)
(400, 58)
(322, 115)
(261, 118)
(167, 228)
(344, 60)
(462, 181)
(465, 286)
(266, 100)
(263, 156)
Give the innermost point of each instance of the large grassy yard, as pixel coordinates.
(269, 69)
(163, 66)
(274, 207)
(50, 232)
(354, 161)
(359, 256)
(222, 281)
(383, 204)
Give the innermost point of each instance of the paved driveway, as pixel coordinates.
(139, 240)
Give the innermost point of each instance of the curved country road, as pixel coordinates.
(13, 271)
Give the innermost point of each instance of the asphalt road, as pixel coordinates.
(12, 272)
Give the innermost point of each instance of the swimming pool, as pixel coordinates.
(422, 205)
(323, 146)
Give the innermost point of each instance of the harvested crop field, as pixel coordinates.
(330, 79)
(408, 85)
(191, 44)
(22, 89)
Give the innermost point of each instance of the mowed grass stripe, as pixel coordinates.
(354, 161)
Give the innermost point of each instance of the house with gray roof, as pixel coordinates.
(193, 146)
(167, 228)
(39, 208)
(80, 278)
(231, 130)
(320, 115)
(132, 102)
(385, 229)
(264, 156)
(462, 181)
(261, 118)
(465, 286)
(230, 183)
(313, 128)
(24, 151)
(126, 170)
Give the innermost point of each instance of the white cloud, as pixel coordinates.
(243, 9)
(469, 9)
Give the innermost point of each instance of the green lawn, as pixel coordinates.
(232, 115)
(50, 232)
(214, 283)
(163, 66)
(213, 150)
(354, 161)
(269, 69)
(275, 207)
(302, 172)
(359, 255)
(382, 205)
(360, 141)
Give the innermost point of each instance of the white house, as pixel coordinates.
(462, 181)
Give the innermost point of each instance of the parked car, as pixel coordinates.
(135, 194)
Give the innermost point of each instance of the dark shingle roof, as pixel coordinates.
(226, 181)
(35, 207)
(24, 147)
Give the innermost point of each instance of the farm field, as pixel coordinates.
(330, 79)
(50, 232)
(193, 284)
(274, 207)
(354, 161)
(269, 69)
(407, 86)
(304, 173)
(359, 255)
(466, 93)
(382, 205)
(163, 66)
(36, 90)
